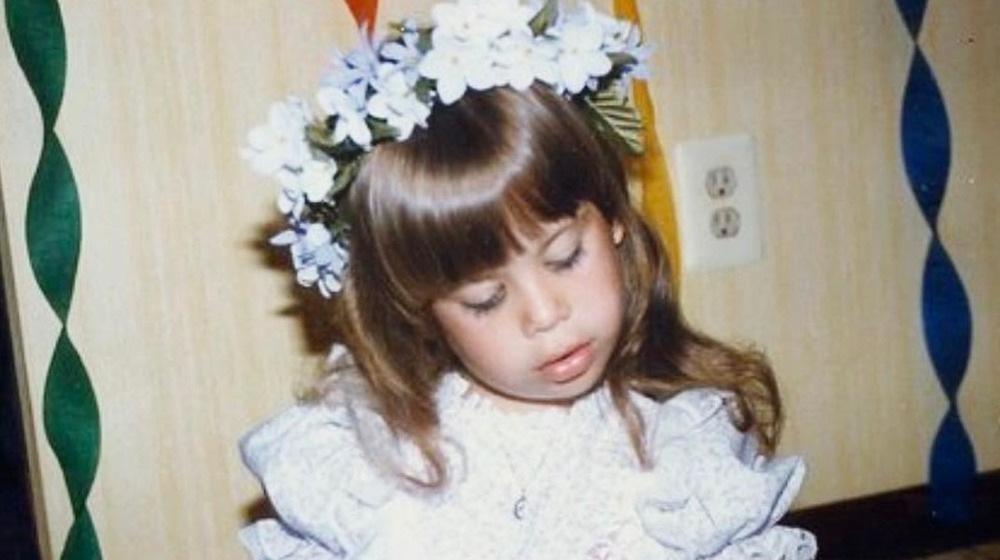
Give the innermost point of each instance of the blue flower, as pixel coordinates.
(317, 258)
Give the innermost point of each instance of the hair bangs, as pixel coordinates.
(453, 201)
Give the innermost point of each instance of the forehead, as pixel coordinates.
(539, 236)
(541, 233)
(528, 241)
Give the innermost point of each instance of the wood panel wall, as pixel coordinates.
(191, 332)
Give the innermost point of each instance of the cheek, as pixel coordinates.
(466, 335)
(449, 325)
(605, 269)
(606, 291)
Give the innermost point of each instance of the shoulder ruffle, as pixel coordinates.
(318, 479)
(711, 494)
(270, 540)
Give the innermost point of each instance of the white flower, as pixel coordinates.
(617, 33)
(311, 180)
(621, 36)
(511, 15)
(522, 58)
(349, 108)
(291, 201)
(281, 142)
(316, 178)
(467, 21)
(581, 56)
(397, 103)
(457, 66)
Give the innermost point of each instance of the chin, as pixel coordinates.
(566, 393)
(549, 394)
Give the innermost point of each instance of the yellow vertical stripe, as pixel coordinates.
(651, 168)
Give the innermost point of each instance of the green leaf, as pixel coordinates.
(424, 41)
(622, 60)
(345, 176)
(319, 135)
(616, 119)
(545, 17)
(396, 28)
(381, 130)
(424, 90)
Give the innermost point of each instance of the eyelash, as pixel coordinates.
(570, 261)
(480, 308)
(483, 307)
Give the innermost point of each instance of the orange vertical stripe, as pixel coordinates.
(364, 12)
(651, 167)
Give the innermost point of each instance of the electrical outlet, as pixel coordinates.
(718, 202)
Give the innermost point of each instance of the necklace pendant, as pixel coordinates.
(520, 507)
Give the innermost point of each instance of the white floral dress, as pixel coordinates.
(553, 485)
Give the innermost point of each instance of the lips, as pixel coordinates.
(569, 365)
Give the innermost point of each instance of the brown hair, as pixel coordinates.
(429, 212)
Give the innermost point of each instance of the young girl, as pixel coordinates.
(514, 378)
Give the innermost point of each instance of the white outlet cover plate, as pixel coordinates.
(701, 248)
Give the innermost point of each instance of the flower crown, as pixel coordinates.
(383, 89)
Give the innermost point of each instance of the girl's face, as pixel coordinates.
(540, 329)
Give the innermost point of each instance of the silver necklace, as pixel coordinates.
(520, 508)
(520, 505)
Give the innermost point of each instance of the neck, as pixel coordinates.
(508, 403)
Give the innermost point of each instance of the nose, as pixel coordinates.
(545, 306)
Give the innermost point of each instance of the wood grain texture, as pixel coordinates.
(192, 333)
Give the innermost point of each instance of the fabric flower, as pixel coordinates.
(311, 180)
(467, 21)
(622, 36)
(581, 56)
(616, 31)
(291, 202)
(349, 109)
(317, 259)
(404, 52)
(510, 15)
(355, 70)
(457, 66)
(316, 178)
(281, 142)
(397, 103)
(522, 58)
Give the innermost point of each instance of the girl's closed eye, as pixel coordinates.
(568, 261)
(486, 304)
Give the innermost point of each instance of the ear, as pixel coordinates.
(617, 233)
